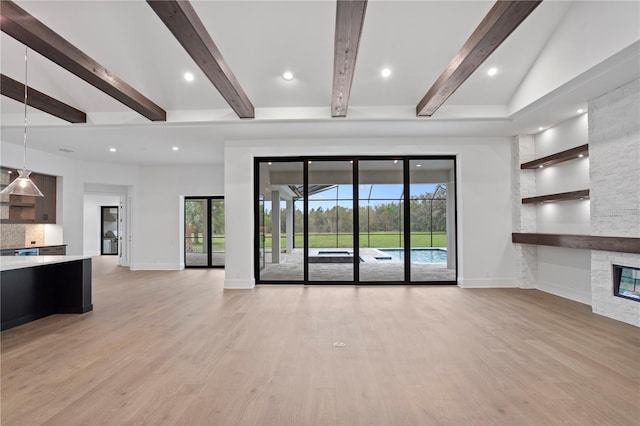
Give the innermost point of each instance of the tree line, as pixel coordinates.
(428, 213)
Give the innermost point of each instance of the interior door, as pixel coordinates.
(109, 230)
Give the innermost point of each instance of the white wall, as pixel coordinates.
(485, 251)
(154, 196)
(590, 32)
(91, 229)
(72, 176)
(159, 227)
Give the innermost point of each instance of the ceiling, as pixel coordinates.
(260, 40)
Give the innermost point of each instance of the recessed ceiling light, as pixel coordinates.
(492, 71)
(540, 166)
(287, 75)
(541, 128)
(581, 155)
(175, 148)
(386, 72)
(418, 165)
(395, 161)
(188, 76)
(112, 149)
(580, 111)
(269, 163)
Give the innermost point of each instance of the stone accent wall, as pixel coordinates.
(19, 235)
(614, 154)
(12, 235)
(524, 215)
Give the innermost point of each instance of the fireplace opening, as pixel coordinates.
(626, 282)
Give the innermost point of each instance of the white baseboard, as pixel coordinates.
(567, 293)
(239, 284)
(487, 283)
(155, 267)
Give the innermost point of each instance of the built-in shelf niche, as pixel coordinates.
(582, 194)
(559, 157)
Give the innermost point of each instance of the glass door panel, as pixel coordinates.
(196, 232)
(109, 231)
(217, 232)
(432, 222)
(330, 215)
(381, 220)
(280, 221)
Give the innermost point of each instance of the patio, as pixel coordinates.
(372, 270)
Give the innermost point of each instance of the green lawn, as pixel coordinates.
(374, 239)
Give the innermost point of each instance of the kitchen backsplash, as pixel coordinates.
(19, 235)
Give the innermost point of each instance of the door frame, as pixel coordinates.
(102, 253)
(356, 237)
(207, 223)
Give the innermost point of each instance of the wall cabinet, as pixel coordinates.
(24, 209)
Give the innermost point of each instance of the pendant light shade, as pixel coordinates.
(23, 185)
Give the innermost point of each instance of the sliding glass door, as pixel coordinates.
(330, 214)
(381, 213)
(344, 220)
(204, 232)
(280, 221)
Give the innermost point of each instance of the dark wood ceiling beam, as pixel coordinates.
(349, 22)
(20, 25)
(183, 21)
(497, 25)
(15, 90)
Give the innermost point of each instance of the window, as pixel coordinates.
(345, 220)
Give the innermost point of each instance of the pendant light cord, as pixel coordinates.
(25, 108)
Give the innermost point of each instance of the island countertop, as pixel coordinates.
(8, 263)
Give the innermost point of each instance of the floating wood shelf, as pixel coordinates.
(584, 242)
(549, 160)
(563, 196)
(17, 204)
(17, 221)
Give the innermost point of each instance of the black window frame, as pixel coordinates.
(356, 237)
(209, 264)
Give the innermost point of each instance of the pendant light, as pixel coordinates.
(23, 185)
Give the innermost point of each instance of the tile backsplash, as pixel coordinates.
(20, 235)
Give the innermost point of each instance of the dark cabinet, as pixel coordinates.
(45, 207)
(53, 251)
(25, 209)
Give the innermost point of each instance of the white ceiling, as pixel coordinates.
(260, 40)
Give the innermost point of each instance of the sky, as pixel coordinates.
(380, 194)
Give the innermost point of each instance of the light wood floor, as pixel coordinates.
(175, 348)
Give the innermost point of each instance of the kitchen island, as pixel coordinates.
(33, 287)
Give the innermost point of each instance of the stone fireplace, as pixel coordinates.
(614, 154)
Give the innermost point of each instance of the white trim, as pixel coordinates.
(156, 267)
(576, 296)
(487, 283)
(239, 284)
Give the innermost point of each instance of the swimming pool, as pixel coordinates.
(418, 255)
